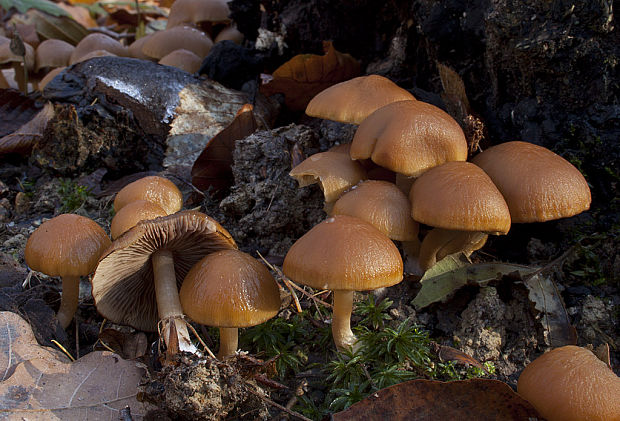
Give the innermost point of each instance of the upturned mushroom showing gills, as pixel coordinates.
(571, 384)
(68, 246)
(229, 289)
(464, 206)
(136, 282)
(344, 254)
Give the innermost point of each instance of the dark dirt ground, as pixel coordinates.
(541, 72)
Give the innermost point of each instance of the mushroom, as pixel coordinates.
(53, 53)
(8, 58)
(136, 282)
(162, 43)
(135, 48)
(94, 42)
(229, 289)
(94, 54)
(182, 59)
(334, 171)
(538, 185)
(49, 77)
(344, 254)
(154, 189)
(461, 201)
(571, 384)
(67, 246)
(230, 33)
(131, 214)
(355, 99)
(203, 13)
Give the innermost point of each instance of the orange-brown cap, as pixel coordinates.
(131, 214)
(154, 189)
(53, 53)
(571, 384)
(344, 253)
(182, 59)
(135, 48)
(459, 196)
(196, 11)
(123, 283)
(409, 137)
(162, 43)
(229, 289)
(381, 204)
(67, 245)
(335, 172)
(355, 99)
(538, 185)
(94, 42)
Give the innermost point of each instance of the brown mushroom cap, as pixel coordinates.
(66, 245)
(459, 196)
(344, 253)
(381, 204)
(49, 76)
(131, 214)
(335, 172)
(229, 288)
(135, 49)
(182, 59)
(409, 137)
(571, 384)
(7, 56)
(94, 54)
(123, 283)
(53, 53)
(154, 189)
(229, 33)
(195, 11)
(538, 185)
(355, 99)
(162, 43)
(94, 42)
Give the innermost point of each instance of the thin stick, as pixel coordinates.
(62, 348)
(277, 405)
(200, 340)
(285, 280)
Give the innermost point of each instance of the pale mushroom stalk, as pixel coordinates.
(68, 300)
(411, 251)
(229, 341)
(439, 243)
(344, 338)
(168, 303)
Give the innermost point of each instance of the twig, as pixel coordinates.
(285, 280)
(200, 339)
(297, 415)
(557, 261)
(62, 348)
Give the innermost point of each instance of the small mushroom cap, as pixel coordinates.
(229, 289)
(53, 53)
(94, 42)
(94, 54)
(7, 56)
(229, 33)
(538, 184)
(49, 76)
(162, 43)
(66, 245)
(135, 49)
(571, 384)
(459, 196)
(381, 204)
(335, 172)
(123, 283)
(131, 214)
(344, 253)
(355, 99)
(154, 189)
(182, 59)
(409, 137)
(195, 11)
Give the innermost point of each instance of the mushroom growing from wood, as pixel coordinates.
(229, 289)
(344, 254)
(68, 246)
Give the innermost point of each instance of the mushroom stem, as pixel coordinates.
(229, 337)
(68, 300)
(168, 303)
(411, 251)
(341, 321)
(439, 243)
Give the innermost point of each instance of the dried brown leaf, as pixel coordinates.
(63, 27)
(24, 138)
(305, 75)
(213, 167)
(476, 399)
(16, 109)
(128, 345)
(447, 353)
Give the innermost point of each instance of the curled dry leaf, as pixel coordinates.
(24, 138)
(476, 399)
(16, 109)
(128, 345)
(447, 353)
(305, 75)
(213, 167)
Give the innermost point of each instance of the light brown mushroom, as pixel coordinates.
(229, 289)
(344, 254)
(571, 384)
(68, 246)
(230, 33)
(197, 12)
(53, 53)
(95, 42)
(154, 189)
(131, 214)
(182, 59)
(162, 43)
(355, 99)
(49, 76)
(135, 48)
(9, 59)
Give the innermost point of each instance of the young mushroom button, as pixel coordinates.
(229, 289)
(344, 254)
(68, 246)
(154, 189)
